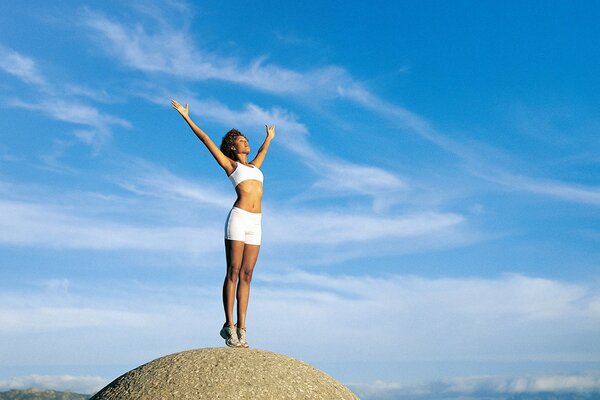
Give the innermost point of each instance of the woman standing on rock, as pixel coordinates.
(243, 224)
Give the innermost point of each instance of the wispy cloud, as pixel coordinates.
(336, 176)
(104, 222)
(473, 154)
(129, 305)
(481, 161)
(576, 193)
(292, 226)
(435, 319)
(72, 112)
(148, 179)
(61, 102)
(21, 66)
(489, 387)
(160, 46)
(510, 318)
(327, 228)
(57, 318)
(167, 49)
(24, 223)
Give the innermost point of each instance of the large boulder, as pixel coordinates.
(224, 373)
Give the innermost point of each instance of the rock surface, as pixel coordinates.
(225, 373)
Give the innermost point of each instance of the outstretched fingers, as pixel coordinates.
(270, 131)
(176, 105)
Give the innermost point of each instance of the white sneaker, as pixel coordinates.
(231, 339)
(241, 333)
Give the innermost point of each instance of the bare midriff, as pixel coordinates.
(249, 196)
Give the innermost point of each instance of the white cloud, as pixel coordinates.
(61, 102)
(342, 176)
(21, 66)
(560, 190)
(482, 387)
(326, 228)
(50, 318)
(148, 179)
(76, 113)
(293, 226)
(87, 226)
(32, 224)
(513, 317)
(556, 383)
(304, 225)
(290, 133)
(168, 50)
(78, 90)
(478, 158)
(383, 319)
(105, 306)
(336, 176)
(485, 386)
(99, 221)
(77, 384)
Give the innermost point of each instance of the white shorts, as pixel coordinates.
(244, 226)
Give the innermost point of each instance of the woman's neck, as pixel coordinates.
(242, 158)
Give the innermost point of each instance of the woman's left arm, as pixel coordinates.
(262, 152)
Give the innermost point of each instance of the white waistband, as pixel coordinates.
(249, 213)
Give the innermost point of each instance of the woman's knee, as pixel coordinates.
(246, 275)
(233, 271)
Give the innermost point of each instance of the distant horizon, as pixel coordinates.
(430, 207)
(486, 387)
(558, 385)
(475, 387)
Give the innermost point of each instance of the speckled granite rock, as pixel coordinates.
(224, 373)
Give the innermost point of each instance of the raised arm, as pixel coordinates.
(225, 162)
(262, 152)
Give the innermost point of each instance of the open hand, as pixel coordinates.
(184, 111)
(270, 131)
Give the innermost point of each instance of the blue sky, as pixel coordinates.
(431, 208)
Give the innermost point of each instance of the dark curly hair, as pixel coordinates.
(228, 142)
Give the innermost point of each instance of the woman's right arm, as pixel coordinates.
(225, 162)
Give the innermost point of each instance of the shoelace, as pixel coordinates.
(241, 334)
(232, 335)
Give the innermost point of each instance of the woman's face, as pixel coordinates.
(241, 145)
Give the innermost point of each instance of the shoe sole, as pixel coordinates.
(223, 334)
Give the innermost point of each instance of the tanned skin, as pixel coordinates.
(241, 257)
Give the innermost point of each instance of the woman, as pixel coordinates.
(243, 225)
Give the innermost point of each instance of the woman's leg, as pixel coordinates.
(234, 253)
(245, 274)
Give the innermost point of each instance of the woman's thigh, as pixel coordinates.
(234, 253)
(249, 258)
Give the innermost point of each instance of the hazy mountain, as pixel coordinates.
(41, 394)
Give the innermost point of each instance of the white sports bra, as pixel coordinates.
(243, 173)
